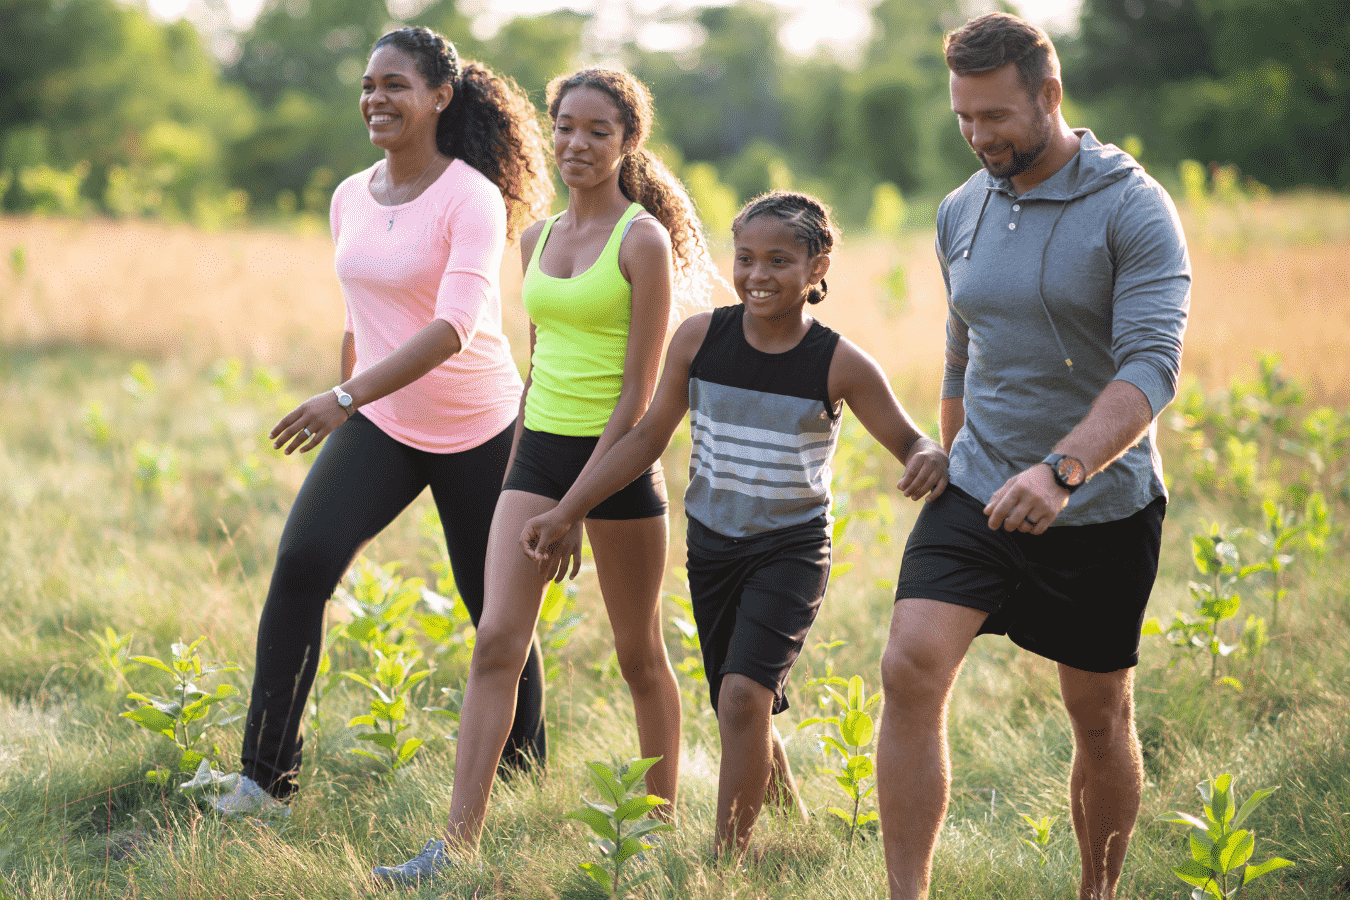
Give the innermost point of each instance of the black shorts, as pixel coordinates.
(548, 465)
(1075, 594)
(755, 600)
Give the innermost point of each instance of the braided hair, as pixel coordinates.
(490, 124)
(645, 180)
(808, 218)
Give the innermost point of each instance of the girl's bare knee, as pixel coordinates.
(498, 651)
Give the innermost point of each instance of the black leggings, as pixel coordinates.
(360, 482)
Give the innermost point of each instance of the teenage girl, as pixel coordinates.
(763, 383)
(599, 281)
(419, 238)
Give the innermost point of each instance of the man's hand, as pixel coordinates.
(1029, 501)
(553, 543)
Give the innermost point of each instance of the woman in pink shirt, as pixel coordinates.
(419, 238)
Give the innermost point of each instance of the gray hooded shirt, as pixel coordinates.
(1082, 280)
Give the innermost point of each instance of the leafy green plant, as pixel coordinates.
(855, 728)
(391, 682)
(1220, 847)
(1217, 559)
(1040, 834)
(381, 604)
(558, 618)
(619, 821)
(187, 712)
(690, 663)
(113, 654)
(1283, 531)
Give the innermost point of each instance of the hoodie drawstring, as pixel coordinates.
(1040, 281)
(988, 191)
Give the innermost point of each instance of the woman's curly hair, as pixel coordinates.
(646, 180)
(808, 218)
(490, 124)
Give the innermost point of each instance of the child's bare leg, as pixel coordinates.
(744, 708)
(782, 794)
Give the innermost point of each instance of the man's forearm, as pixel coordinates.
(1119, 417)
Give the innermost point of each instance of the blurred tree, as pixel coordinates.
(728, 91)
(533, 49)
(99, 81)
(1263, 84)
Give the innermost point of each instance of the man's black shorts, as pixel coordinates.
(1075, 594)
(755, 600)
(548, 465)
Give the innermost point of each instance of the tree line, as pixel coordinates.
(104, 109)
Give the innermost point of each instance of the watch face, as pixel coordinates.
(1070, 471)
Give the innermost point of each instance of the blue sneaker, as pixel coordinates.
(246, 798)
(426, 865)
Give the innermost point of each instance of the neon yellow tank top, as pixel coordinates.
(580, 339)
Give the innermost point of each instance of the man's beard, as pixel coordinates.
(1021, 160)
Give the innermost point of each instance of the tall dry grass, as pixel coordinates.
(270, 296)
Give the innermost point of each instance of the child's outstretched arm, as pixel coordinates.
(856, 379)
(626, 460)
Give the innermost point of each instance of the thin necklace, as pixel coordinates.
(388, 182)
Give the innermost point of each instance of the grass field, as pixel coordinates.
(141, 366)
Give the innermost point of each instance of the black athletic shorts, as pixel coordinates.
(548, 465)
(755, 600)
(1075, 594)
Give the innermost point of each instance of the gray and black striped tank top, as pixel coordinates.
(763, 430)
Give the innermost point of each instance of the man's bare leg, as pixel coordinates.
(927, 642)
(1108, 773)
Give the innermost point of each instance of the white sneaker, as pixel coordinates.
(246, 798)
(426, 865)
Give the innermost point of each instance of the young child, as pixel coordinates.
(763, 382)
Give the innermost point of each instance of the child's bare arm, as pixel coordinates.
(856, 379)
(629, 457)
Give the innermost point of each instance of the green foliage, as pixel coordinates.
(1257, 84)
(717, 203)
(113, 652)
(1285, 531)
(855, 728)
(1220, 848)
(381, 651)
(186, 712)
(690, 663)
(619, 821)
(391, 680)
(1217, 559)
(50, 191)
(1255, 441)
(78, 820)
(1040, 834)
(558, 618)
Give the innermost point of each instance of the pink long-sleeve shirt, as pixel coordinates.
(439, 260)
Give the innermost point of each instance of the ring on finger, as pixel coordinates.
(1029, 522)
(307, 433)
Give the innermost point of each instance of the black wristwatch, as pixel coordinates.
(1070, 473)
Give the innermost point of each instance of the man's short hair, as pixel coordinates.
(991, 42)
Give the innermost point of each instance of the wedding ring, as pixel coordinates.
(308, 433)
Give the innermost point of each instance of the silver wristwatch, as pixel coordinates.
(344, 400)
